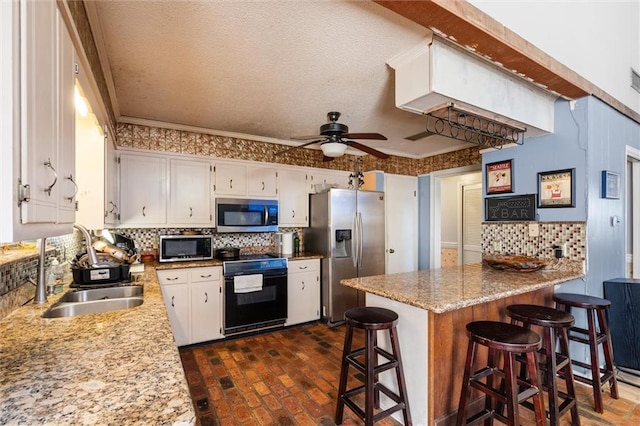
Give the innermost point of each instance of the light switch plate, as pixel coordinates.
(534, 229)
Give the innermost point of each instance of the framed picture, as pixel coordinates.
(557, 188)
(499, 177)
(610, 184)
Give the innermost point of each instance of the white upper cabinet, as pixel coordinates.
(230, 179)
(112, 177)
(190, 192)
(143, 179)
(332, 177)
(293, 198)
(48, 115)
(37, 65)
(262, 182)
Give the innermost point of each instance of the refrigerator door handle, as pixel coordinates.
(354, 250)
(360, 239)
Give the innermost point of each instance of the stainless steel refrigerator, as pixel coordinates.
(347, 227)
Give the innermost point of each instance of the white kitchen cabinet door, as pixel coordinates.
(143, 183)
(230, 179)
(39, 132)
(401, 218)
(303, 288)
(176, 299)
(66, 122)
(190, 192)
(262, 182)
(111, 188)
(333, 177)
(293, 209)
(206, 311)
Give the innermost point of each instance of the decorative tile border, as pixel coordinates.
(179, 141)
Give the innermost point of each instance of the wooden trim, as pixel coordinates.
(477, 32)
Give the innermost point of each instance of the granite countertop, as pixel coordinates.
(120, 367)
(451, 288)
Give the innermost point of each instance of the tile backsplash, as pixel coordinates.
(148, 238)
(514, 238)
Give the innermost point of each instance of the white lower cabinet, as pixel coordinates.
(303, 287)
(193, 300)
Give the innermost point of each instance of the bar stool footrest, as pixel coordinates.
(600, 337)
(346, 398)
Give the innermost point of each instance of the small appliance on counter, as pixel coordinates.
(283, 242)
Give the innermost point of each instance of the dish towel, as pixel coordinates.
(247, 283)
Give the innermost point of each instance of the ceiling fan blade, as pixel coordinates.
(420, 135)
(284, 151)
(376, 136)
(325, 159)
(305, 138)
(368, 150)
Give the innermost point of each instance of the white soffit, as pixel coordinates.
(436, 73)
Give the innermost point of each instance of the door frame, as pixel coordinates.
(633, 155)
(435, 217)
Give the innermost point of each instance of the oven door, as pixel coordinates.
(255, 310)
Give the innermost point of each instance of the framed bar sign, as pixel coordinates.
(513, 208)
(499, 177)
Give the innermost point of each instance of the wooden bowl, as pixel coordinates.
(515, 263)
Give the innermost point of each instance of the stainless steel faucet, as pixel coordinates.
(41, 285)
(91, 252)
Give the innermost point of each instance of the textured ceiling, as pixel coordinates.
(265, 68)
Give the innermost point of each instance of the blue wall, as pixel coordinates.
(566, 148)
(424, 219)
(589, 137)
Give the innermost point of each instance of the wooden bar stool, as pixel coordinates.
(595, 306)
(371, 320)
(509, 340)
(555, 324)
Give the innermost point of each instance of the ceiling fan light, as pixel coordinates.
(333, 149)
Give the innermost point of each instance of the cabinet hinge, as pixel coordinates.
(118, 160)
(106, 132)
(214, 187)
(24, 193)
(76, 69)
(415, 194)
(210, 168)
(76, 206)
(214, 169)
(210, 217)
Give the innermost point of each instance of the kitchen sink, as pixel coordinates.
(96, 301)
(102, 293)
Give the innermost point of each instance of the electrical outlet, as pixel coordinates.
(497, 246)
(534, 229)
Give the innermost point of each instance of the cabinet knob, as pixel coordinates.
(392, 251)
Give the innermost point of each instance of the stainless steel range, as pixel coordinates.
(255, 293)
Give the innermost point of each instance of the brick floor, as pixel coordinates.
(290, 377)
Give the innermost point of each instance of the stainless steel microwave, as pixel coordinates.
(183, 248)
(245, 215)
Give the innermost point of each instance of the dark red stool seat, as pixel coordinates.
(371, 320)
(595, 307)
(508, 340)
(555, 324)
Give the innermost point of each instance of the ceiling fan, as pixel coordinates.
(334, 139)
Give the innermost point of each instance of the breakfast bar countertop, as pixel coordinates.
(455, 287)
(120, 367)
